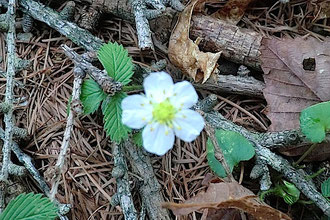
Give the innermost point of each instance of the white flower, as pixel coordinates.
(164, 111)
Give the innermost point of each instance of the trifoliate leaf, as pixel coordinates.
(91, 96)
(112, 111)
(315, 121)
(325, 188)
(29, 207)
(235, 148)
(116, 62)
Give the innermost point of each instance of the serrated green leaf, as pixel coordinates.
(29, 207)
(137, 139)
(315, 121)
(116, 62)
(112, 111)
(235, 148)
(91, 96)
(325, 188)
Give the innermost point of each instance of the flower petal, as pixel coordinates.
(188, 124)
(158, 86)
(157, 138)
(184, 95)
(137, 111)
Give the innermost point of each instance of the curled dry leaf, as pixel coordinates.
(232, 11)
(296, 76)
(228, 195)
(185, 54)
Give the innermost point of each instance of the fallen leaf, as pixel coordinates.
(290, 84)
(224, 196)
(185, 54)
(232, 11)
(320, 153)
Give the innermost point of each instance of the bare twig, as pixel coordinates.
(58, 169)
(106, 83)
(142, 25)
(6, 149)
(120, 172)
(150, 189)
(218, 152)
(276, 162)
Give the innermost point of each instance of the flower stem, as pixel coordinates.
(305, 154)
(132, 88)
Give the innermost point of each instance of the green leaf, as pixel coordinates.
(29, 207)
(214, 164)
(137, 139)
(91, 96)
(325, 188)
(315, 121)
(112, 111)
(116, 62)
(292, 194)
(235, 148)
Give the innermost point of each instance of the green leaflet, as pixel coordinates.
(315, 121)
(29, 207)
(325, 188)
(91, 96)
(116, 62)
(112, 111)
(235, 148)
(137, 139)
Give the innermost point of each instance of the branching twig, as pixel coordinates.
(106, 83)
(150, 188)
(6, 149)
(78, 78)
(123, 195)
(276, 162)
(142, 25)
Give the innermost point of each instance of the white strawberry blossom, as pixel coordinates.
(163, 112)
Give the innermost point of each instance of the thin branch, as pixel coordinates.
(120, 172)
(142, 25)
(106, 83)
(8, 118)
(276, 162)
(150, 190)
(58, 169)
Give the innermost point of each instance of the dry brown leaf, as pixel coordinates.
(319, 153)
(185, 54)
(296, 76)
(228, 195)
(232, 11)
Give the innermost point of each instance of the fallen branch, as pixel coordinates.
(79, 74)
(237, 44)
(106, 83)
(266, 157)
(150, 189)
(123, 195)
(239, 85)
(8, 118)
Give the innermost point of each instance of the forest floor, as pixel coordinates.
(87, 183)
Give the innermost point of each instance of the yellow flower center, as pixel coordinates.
(164, 112)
